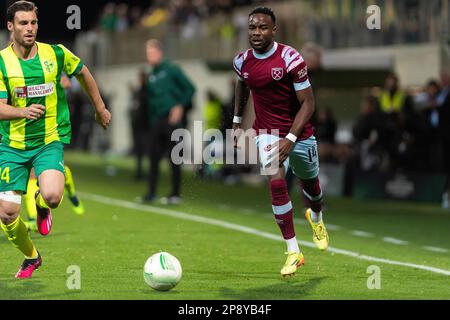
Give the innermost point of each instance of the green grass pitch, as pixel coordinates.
(228, 244)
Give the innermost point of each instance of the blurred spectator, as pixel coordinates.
(333, 24)
(154, 16)
(369, 135)
(392, 98)
(81, 116)
(201, 7)
(108, 18)
(74, 110)
(182, 13)
(431, 119)
(122, 21)
(185, 16)
(212, 112)
(408, 142)
(431, 111)
(139, 122)
(411, 25)
(326, 127)
(135, 16)
(398, 108)
(169, 93)
(445, 87)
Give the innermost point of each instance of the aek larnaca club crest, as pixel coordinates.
(277, 73)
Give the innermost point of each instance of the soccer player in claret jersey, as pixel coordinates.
(277, 77)
(35, 123)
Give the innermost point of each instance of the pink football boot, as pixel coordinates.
(44, 219)
(28, 266)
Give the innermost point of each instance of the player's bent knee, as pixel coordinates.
(9, 206)
(53, 199)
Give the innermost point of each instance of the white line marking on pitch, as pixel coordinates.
(332, 227)
(236, 227)
(360, 233)
(395, 241)
(435, 249)
(248, 211)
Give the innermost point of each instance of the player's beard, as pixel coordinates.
(24, 43)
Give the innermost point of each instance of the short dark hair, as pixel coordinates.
(264, 10)
(20, 6)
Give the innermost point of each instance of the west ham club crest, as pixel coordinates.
(277, 73)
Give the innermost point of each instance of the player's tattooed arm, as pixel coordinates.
(306, 99)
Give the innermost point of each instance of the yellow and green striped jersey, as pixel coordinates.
(37, 81)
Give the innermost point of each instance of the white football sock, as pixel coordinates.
(292, 245)
(316, 217)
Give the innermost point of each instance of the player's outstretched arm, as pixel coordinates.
(241, 95)
(33, 112)
(87, 81)
(306, 99)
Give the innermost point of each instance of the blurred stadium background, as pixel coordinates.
(365, 152)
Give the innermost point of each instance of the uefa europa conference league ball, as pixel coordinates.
(162, 271)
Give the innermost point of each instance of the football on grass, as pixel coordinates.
(162, 271)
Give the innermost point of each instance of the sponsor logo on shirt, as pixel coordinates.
(302, 73)
(21, 92)
(277, 73)
(36, 91)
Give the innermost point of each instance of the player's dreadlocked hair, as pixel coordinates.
(20, 6)
(264, 10)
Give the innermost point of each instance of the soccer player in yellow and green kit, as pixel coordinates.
(35, 123)
(69, 185)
